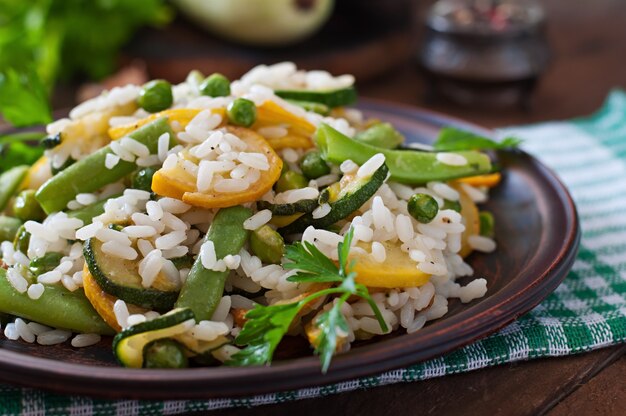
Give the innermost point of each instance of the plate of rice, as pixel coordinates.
(225, 237)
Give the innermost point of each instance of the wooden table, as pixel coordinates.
(589, 59)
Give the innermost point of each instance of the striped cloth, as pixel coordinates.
(586, 312)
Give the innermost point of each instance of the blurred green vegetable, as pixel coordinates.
(42, 40)
(15, 149)
(155, 96)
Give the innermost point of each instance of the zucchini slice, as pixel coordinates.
(303, 206)
(129, 345)
(344, 198)
(121, 279)
(331, 98)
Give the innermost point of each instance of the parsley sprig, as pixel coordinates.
(453, 139)
(267, 325)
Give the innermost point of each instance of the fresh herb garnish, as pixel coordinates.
(42, 40)
(267, 325)
(16, 149)
(452, 139)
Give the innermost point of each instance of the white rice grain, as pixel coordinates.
(170, 240)
(451, 159)
(258, 220)
(35, 291)
(85, 340)
(115, 249)
(163, 146)
(56, 336)
(368, 168)
(481, 243)
(121, 313)
(24, 331)
(232, 185)
(207, 255)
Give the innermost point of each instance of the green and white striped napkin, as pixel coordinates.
(586, 312)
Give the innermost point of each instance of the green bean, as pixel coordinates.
(290, 180)
(155, 96)
(8, 227)
(47, 262)
(267, 244)
(204, 288)
(10, 182)
(313, 166)
(487, 224)
(241, 112)
(406, 166)
(57, 307)
(318, 108)
(26, 207)
(423, 208)
(382, 135)
(215, 85)
(142, 179)
(90, 174)
(164, 353)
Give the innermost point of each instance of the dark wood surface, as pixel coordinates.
(588, 40)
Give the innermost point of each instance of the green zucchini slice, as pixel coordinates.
(344, 198)
(121, 279)
(129, 345)
(299, 207)
(331, 98)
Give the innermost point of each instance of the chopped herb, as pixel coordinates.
(451, 139)
(267, 325)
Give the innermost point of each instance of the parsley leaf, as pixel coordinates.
(451, 139)
(267, 325)
(329, 323)
(311, 263)
(43, 40)
(23, 98)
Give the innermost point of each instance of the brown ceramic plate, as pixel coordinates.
(538, 235)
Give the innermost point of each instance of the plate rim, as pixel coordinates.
(63, 377)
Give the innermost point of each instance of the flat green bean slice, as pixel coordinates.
(57, 307)
(204, 288)
(90, 174)
(406, 166)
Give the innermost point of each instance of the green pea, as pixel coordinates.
(487, 224)
(8, 227)
(313, 166)
(164, 353)
(26, 207)
(241, 112)
(267, 244)
(423, 208)
(46, 263)
(142, 179)
(215, 85)
(453, 205)
(155, 96)
(22, 240)
(290, 180)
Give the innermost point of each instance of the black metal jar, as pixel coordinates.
(473, 57)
